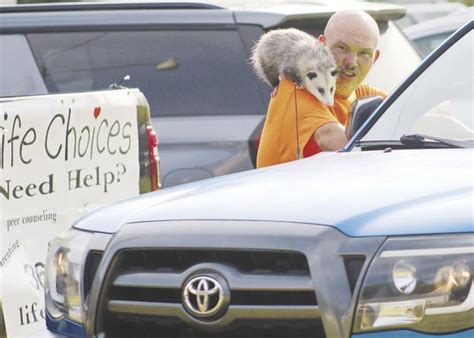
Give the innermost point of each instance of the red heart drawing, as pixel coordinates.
(96, 112)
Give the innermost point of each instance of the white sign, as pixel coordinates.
(60, 157)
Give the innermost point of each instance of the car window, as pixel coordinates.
(18, 69)
(438, 103)
(427, 44)
(405, 21)
(180, 72)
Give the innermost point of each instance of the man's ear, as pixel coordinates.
(322, 39)
(376, 54)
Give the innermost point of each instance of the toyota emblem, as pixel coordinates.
(206, 296)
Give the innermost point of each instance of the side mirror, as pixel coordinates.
(361, 110)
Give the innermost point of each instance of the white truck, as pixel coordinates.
(62, 156)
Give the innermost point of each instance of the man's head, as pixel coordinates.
(352, 36)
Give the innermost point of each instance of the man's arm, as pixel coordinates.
(330, 137)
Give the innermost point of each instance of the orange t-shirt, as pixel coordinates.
(278, 140)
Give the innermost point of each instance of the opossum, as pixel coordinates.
(300, 58)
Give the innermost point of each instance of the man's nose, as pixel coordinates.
(350, 59)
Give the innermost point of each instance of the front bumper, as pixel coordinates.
(45, 333)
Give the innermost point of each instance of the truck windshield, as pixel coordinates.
(437, 105)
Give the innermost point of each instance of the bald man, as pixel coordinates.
(297, 124)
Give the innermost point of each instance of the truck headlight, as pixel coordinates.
(423, 283)
(64, 283)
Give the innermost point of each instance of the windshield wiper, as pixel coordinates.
(414, 141)
(429, 141)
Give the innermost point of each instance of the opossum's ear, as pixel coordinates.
(311, 75)
(335, 72)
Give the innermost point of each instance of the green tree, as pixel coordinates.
(466, 2)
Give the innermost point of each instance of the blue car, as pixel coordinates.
(374, 241)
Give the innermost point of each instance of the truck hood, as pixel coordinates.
(403, 192)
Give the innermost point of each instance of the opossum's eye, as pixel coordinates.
(332, 90)
(311, 75)
(321, 91)
(335, 72)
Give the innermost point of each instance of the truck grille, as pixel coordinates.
(271, 295)
(245, 261)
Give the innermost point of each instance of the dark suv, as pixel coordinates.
(189, 59)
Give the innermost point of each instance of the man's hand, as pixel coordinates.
(330, 137)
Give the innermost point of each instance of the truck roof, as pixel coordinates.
(267, 13)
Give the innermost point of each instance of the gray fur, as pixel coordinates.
(291, 53)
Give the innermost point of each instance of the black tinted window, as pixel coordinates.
(428, 43)
(180, 72)
(18, 71)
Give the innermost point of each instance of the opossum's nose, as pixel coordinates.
(329, 100)
(321, 91)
